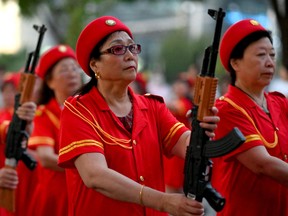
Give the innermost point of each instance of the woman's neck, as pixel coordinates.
(117, 99)
(257, 96)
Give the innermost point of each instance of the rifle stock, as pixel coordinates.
(17, 137)
(198, 166)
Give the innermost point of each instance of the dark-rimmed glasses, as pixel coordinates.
(122, 49)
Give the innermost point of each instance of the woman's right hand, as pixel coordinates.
(179, 205)
(8, 178)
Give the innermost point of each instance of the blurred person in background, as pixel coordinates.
(223, 84)
(9, 89)
(26, 177)
(61, 77)
(280, 83)
(139, 85)
(179, 105)
(9, 177)
(254, 177)
(112, 140)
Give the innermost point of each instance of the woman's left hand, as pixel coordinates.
(210, 123)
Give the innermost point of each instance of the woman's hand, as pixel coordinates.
(209, 122)
(27, 112)
(8, 178)
(177, 205)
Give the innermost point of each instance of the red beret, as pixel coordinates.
(12, 78)
(51, 57)
(92, 34)
(234, 35)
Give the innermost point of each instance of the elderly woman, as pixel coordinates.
(112, 140)
(254, 177)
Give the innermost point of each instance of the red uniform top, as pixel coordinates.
(247, 193)
(90, 126)
(5, 117)
(3, 133)
(3, 130)
(50, 196)
(6, 114)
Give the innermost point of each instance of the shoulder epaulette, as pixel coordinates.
(277, 93)
(157, 97)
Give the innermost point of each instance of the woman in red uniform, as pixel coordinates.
(61, 78)
(254, 177)
(112, 140)
(9, 177)
(9, 90)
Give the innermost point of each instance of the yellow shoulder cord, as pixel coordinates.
(106, 137)
(267, 144)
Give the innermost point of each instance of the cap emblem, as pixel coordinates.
(254, 22)
(110, 22)
(62, 48)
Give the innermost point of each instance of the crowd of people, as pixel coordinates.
(109, 147)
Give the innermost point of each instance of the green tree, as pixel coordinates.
(73, 14)
(179, 52)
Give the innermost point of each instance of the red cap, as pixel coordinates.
(92, 34)
(51, 57)
(12, 78)
(234, 35)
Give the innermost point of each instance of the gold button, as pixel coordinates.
(142, 178)
(277, 129)
(134, 142)
(285, 157)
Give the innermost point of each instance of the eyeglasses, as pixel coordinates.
(122, 49)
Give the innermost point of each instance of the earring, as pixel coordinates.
(97, 75)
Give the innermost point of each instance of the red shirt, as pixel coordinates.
(3, 130)
(50, 197)
(88, 125)
(247, 193)
(5, 117)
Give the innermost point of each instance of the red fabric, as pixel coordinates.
(234, 35)
(92, 34)
(155, 132)
(50, 196)
(3, 128)
(247, 193)
(5, 117)
(6, 114)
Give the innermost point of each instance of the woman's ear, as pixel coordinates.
(234, 64)
(93, 64)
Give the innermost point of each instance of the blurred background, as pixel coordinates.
(173, 33)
